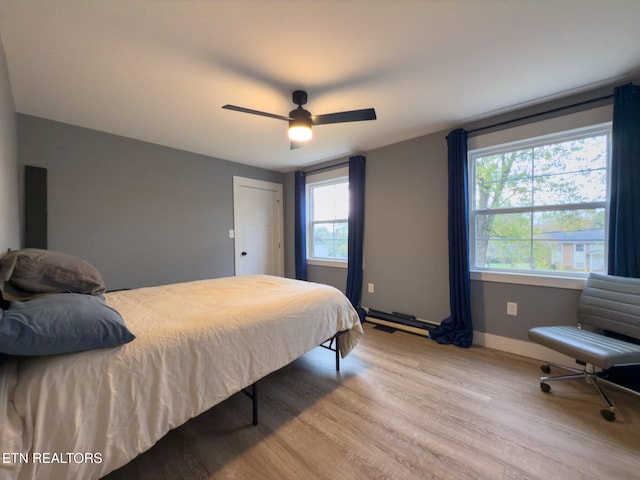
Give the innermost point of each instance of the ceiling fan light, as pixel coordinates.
(300, 133)
(300, 126)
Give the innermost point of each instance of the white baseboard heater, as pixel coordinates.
(402, 319)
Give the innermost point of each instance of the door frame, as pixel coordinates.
(243, 182)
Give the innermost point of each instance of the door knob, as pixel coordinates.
(244, 254)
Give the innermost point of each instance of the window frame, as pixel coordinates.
(333, 177)
(526, 276)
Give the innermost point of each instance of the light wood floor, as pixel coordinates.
(404, 407)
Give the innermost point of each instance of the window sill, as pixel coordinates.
(327, 263)
(571, 283)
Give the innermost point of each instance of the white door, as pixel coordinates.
(257, 218)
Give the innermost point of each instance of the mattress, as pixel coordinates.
(85, 414)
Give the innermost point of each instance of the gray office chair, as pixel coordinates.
(607, 335)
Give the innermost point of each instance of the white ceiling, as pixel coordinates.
(160, 70)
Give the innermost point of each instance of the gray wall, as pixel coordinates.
(537, 306)
(143, 214)
(406, 228)
(9, 197)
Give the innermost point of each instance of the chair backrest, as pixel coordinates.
(611, 303)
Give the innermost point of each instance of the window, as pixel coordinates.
(327, 218)
(540, 206)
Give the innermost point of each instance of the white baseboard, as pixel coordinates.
(521, 347)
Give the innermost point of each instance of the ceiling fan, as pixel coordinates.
(301, 120)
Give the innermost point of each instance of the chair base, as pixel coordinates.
(591, 376)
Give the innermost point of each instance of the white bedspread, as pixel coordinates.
(80, 416)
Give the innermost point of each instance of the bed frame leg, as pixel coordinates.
(328, 344)
(254, 401)
(253, 395)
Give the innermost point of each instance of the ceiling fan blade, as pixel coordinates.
(295, 145)
(342, 117)
(255, 112)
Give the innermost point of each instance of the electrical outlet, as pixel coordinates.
(370, 288)
(512, 309)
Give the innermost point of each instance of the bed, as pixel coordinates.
(84, 414)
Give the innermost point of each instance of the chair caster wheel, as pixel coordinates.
(545, 368)
(546, 388)
(608, 415)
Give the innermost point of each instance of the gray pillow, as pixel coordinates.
(29, 272)
(61, 323)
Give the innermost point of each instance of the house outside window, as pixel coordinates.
(539, 206)
(328, 219)
(578, 256)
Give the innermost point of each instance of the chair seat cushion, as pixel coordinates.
(590, 347)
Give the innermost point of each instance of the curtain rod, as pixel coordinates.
(539, 114)
(328, 167)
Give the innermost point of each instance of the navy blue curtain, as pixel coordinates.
(357, 167)
(300, 225)
(624, 210)
(457, 329)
